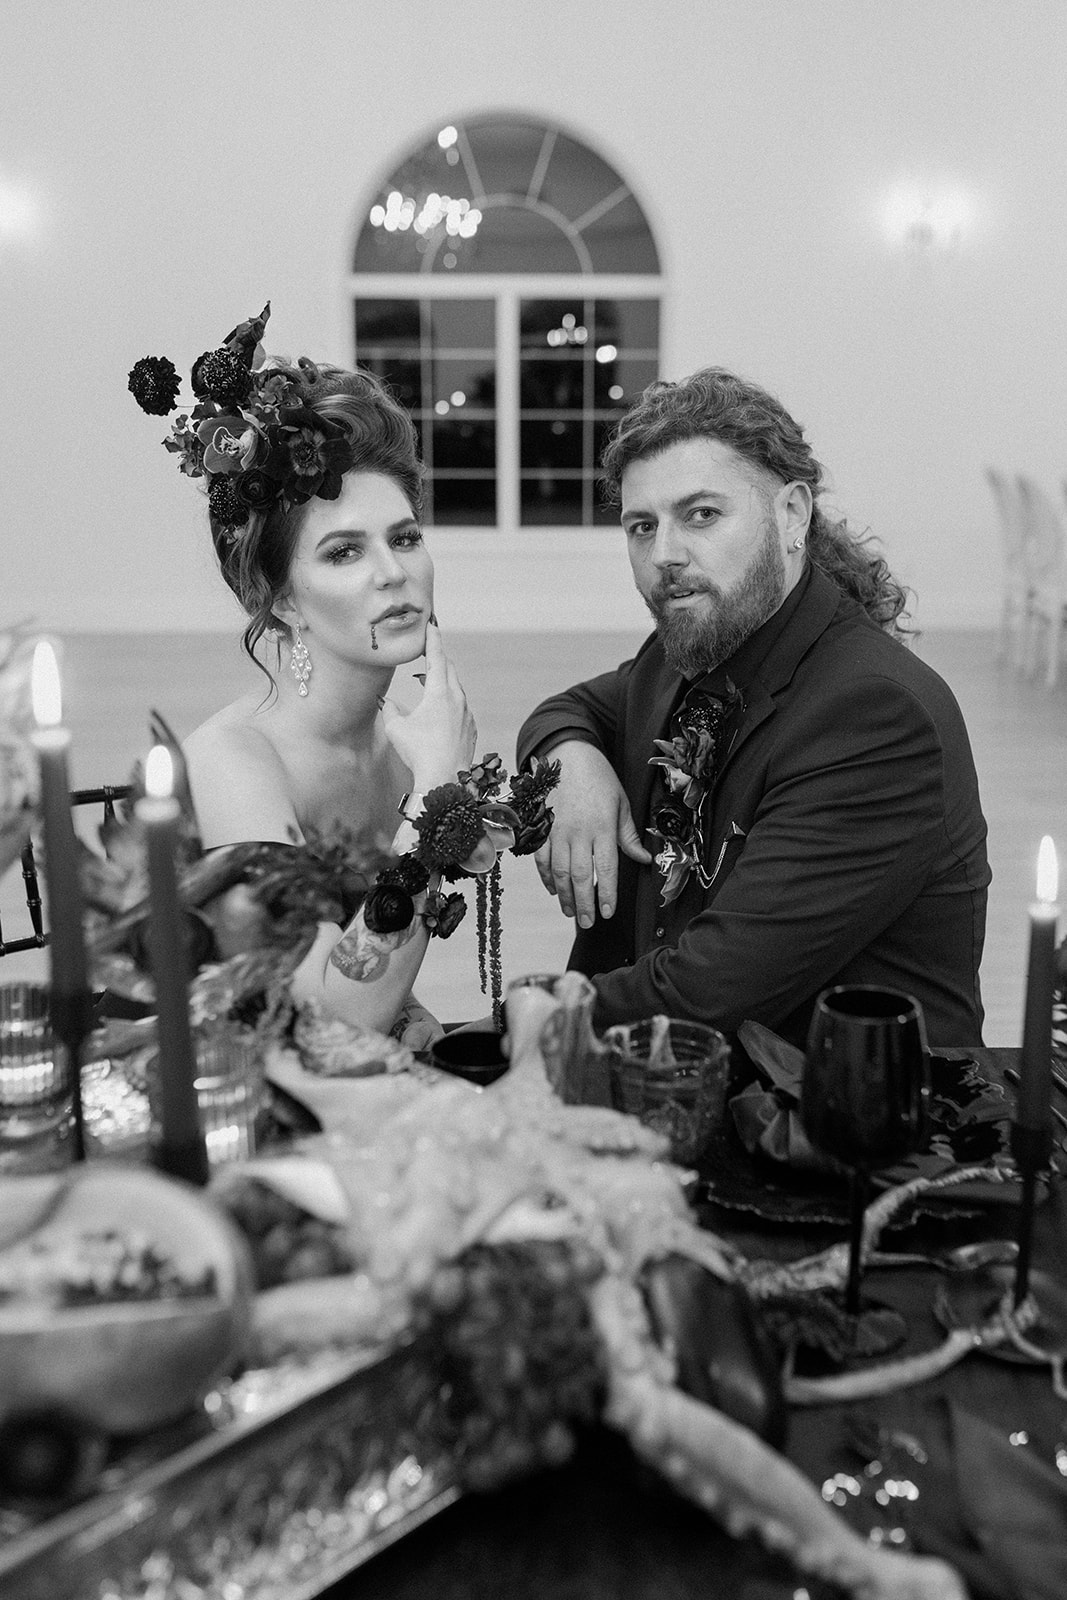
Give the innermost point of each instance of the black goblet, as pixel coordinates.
(866, 1090)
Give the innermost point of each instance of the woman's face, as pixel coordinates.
(360, 563)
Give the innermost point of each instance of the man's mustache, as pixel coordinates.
(670, 591)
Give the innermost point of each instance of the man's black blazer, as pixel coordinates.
(844, 828)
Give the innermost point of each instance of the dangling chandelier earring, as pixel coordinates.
(300, 664)
(373, 638)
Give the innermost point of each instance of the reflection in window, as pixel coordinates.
(439, 358)
(504, 195)
(513, 394)
(580, 367)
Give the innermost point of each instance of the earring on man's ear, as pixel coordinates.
(300, 663)
(798, 544)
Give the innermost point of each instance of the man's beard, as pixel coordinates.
(695, 641)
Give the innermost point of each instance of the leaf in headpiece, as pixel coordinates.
(244, 338)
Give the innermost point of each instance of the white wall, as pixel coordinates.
(191, 161)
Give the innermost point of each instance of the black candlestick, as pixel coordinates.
(72, 1020)
(1031, 1148)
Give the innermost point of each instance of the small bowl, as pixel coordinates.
(477, 1057)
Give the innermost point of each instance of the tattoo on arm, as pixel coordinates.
(363, 956)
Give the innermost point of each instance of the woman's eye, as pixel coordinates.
(341, 552)
(408, 539)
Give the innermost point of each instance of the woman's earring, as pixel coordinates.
(300, 664)
(373, 638)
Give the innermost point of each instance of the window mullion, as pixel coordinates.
(507, 408)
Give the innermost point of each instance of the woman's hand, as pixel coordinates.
(416, 1027)
(436, 740)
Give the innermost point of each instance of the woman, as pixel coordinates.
(314, 492)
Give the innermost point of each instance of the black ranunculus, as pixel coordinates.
(222, 376)
(672, 819)
(154, 384)
(256, 489)
(387, 909)
(226, 506)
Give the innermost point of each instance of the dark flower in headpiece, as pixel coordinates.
(449, 828)
(222, 376)
(154, 384)
(315, 456)
(256, 489)
(230, 443)
(225, 505)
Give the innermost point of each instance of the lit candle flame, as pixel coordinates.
(159, 773)
(46, 696)
(1048, 874)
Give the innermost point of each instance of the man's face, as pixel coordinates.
(707, 534)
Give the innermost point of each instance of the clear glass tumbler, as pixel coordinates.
(230, 1092)
(672, 1076)
(36, 1105)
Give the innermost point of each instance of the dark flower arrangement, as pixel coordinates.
(700, 733)
(248, 432)
(462, 830)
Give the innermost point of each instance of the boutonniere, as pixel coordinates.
(700, 732)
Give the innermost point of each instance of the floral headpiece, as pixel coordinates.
(249, 432)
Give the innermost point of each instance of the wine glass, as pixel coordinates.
(866, 1089)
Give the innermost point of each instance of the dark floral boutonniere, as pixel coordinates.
(700, 732)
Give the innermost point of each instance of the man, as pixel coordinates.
(810, 814)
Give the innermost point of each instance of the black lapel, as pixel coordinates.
(653, 699)
(810, 619)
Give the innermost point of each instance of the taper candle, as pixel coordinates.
(181, 1150)
(70, 999)
(1033, 1103)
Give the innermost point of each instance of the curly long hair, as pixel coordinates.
(717, 404)
(380, 437)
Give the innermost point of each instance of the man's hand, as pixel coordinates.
(580, 862)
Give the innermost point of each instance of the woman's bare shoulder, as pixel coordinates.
(240, 785)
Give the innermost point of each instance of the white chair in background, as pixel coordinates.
(1015, 590)
(1046, 561)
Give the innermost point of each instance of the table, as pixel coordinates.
(604, 1528)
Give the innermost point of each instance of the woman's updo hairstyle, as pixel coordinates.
(378, 436)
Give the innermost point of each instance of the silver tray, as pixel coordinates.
(274, 1506)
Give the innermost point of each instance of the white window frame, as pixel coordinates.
(507, 290)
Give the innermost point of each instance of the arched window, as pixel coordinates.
(507, 285)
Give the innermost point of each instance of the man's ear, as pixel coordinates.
(794, 510)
